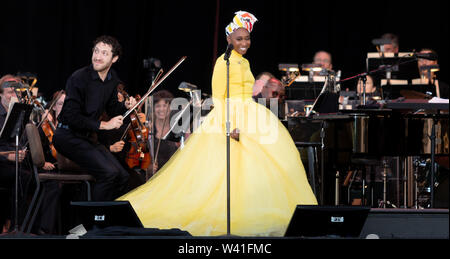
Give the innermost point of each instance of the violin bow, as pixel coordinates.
(154, 87)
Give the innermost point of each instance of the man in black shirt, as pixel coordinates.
(90, 91)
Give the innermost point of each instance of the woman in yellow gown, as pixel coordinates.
(267, 178)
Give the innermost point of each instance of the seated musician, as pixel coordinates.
(273, 89)
(117, 142)
(323, 59)
(392, 47)
(163, 149)
(260, 82)
(8, 166)
(90, 91)
(52, 115)
(371, 89)
(428, 76)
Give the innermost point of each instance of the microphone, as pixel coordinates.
(428, 56)
(228, 52)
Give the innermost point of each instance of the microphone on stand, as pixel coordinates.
(228, 52)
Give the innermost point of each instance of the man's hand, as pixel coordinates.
(48, 166)
(12, 157)
(117, 147)
(114, 123)
(130, 102)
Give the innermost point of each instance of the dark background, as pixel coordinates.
(53, 38)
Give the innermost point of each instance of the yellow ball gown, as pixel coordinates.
(267, 176)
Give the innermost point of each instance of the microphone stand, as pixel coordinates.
(228, 146)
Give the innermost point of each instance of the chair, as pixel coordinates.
(68, 172)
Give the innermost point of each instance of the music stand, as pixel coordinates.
(305, 89)
(14, 123)
(403, 66)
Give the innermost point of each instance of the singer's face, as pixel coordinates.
(240, 39)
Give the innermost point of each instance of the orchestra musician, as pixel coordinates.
(393, 47)
(7, 163)
(260, 82)
(90, 91)
(323, 59)
(272, 90)
(190, 191)
(163, 149)
(117, 142)
(428, 75)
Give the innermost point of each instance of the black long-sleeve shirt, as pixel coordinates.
(87, 97)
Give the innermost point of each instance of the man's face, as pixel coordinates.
(389, 48)
(273, 90)
(6, 96)
(324, 60)
(262, 80)
(102, 57)
(425, 62)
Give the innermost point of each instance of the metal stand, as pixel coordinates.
(228, 148)
(433, 151)
(322, 158)
(364, 80)
(385, 167)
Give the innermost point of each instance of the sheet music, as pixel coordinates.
(438, 100)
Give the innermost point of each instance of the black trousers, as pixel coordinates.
(111, 177)
(8, 191)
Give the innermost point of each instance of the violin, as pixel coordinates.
(139, 153)
(48, 128)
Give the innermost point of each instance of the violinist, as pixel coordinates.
(46, 221)
(117, 142)
(163, 149)
(7, 164)
(48, 126)
(90, 91)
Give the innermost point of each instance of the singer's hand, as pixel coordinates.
(235, 134)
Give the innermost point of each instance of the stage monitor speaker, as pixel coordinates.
(99, 215)
(407, 224)
(327, 221)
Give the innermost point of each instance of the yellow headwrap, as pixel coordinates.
(242, 19)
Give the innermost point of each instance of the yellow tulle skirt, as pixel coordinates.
(267, 178)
